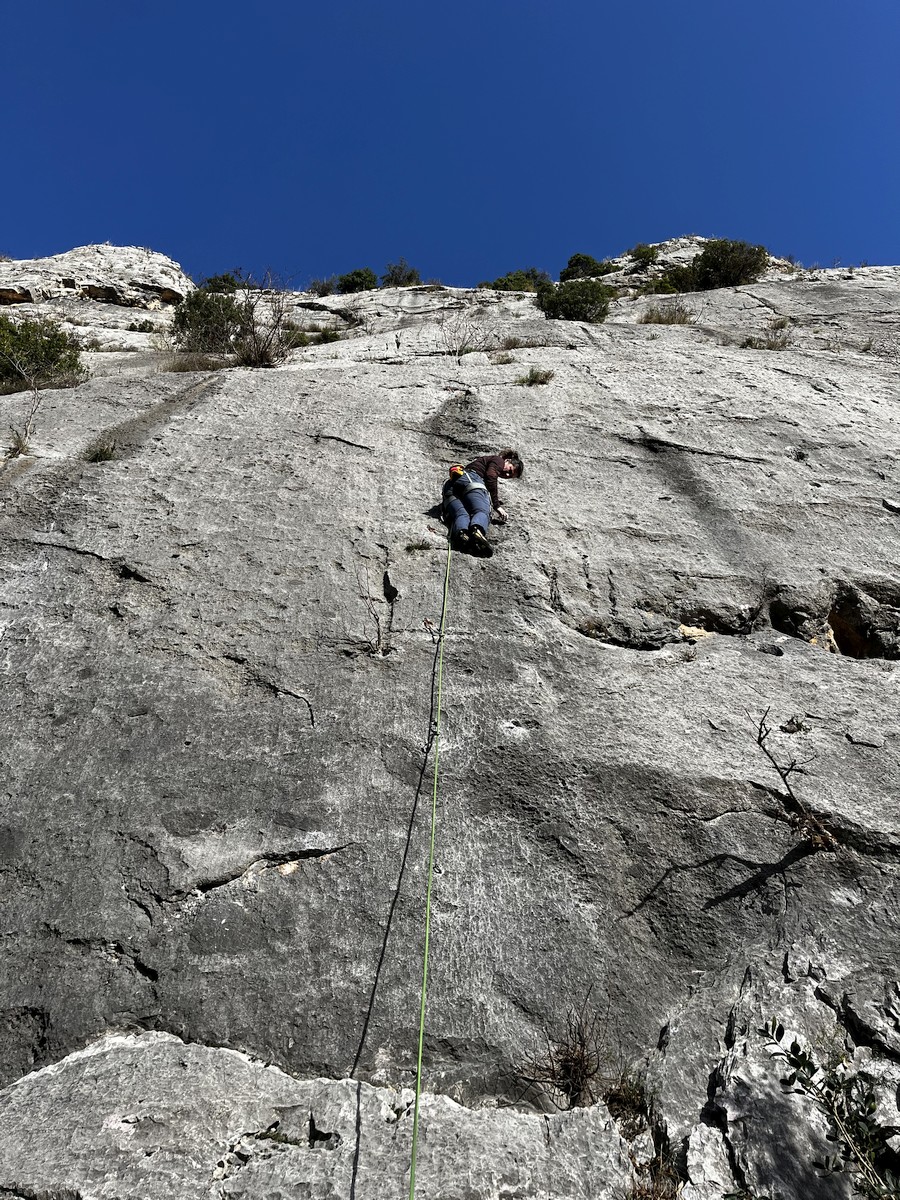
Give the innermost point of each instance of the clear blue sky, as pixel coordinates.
(472, 138)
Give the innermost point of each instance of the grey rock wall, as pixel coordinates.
(217, 654)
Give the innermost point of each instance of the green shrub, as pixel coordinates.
(661, 286)
(579, 300)
(583, 266)
(400, 274)
(323, 287)
(721, 263)
(363, 279)
(848, 1100)
(207, 322)
(142, 327)
(644, 255)
(725, 263)
(295, 338)
(328, 335)
(528, 280)
(535, 376)
(36, 353)
(223, 284)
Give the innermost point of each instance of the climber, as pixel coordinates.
(469, 495)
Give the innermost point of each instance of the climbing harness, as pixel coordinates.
(434, 793)
(461, 481)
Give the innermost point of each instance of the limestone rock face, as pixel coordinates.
(669, 754)
(124, 275)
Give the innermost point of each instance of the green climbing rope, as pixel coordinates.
(434, 794)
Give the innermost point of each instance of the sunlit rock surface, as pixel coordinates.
(218, 653)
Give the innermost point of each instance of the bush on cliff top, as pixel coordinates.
(207, 322)
(721, 263)
(578, 300)
(36, 354)
(583, 266)
(527, 280)
(363, 279)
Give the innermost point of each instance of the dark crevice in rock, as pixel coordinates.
(619, 633)
(265, 862)
(111, 949)
(854, 621)
(330, 437)
(658, 445)
(859, 1030)
(556, 601)
(18, 1191)
(124, 571)
(390, 592)
(319, 1139)
(254, 677)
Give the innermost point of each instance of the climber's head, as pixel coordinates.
(513, 467)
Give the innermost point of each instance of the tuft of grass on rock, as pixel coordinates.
(673, 313)
(105, 450)
(776, 337)
(535, 376)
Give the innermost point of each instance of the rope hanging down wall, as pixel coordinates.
(434, 794)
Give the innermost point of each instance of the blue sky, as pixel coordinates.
(471, 139)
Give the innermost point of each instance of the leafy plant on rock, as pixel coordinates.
(644, 255)
(527, 280)
(584, 266)
(35, 354)
(580, 300)
(363, 279)
(399, 275)
(850, 1106)
(323, 287)
(230, 281)
(264, 335)
(207, 322)
(724, 262)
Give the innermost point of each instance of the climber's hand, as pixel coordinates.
(500, 516)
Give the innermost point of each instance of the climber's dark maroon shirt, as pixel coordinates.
(490, 468)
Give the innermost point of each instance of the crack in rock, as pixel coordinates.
(285, 863)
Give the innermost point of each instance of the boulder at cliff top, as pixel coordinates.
(125, 275)
(218, 651)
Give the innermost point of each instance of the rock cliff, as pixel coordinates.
(670, 749)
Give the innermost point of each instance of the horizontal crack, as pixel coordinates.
(259, 866)
(123, 569)
(657, 444)
(110, 948)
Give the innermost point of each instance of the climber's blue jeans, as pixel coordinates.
(471, 508)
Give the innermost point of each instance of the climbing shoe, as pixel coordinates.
(480, 544)
(462, 541)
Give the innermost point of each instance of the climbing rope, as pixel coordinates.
(434, 794)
